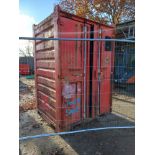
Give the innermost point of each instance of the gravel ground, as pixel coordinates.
(32, 124)
(124, 108)
(26, 90)
(26, 94)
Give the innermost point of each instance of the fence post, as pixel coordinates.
(99, 72)
(85, 60)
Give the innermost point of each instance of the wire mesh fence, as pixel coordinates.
(82, 79)
(124, 80)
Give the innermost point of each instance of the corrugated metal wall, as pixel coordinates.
(45, 70)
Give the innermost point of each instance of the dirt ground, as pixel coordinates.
(125, 109)
(108, 142)
(26, 94)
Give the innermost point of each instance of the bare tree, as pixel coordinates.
(27, 50)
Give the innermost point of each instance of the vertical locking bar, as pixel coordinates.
(99, 72)
(85, 60)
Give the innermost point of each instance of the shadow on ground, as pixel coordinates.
(107, 142)
(110, 142)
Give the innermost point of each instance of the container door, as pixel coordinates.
(72, 72)
(105, 73)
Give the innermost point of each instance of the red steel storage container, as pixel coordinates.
(67, 73)
(24, 69)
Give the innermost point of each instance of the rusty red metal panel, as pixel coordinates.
(45, 55)
(46, 64)
(60, 70)
(47, 82)
(102, 104)
(107, 64)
